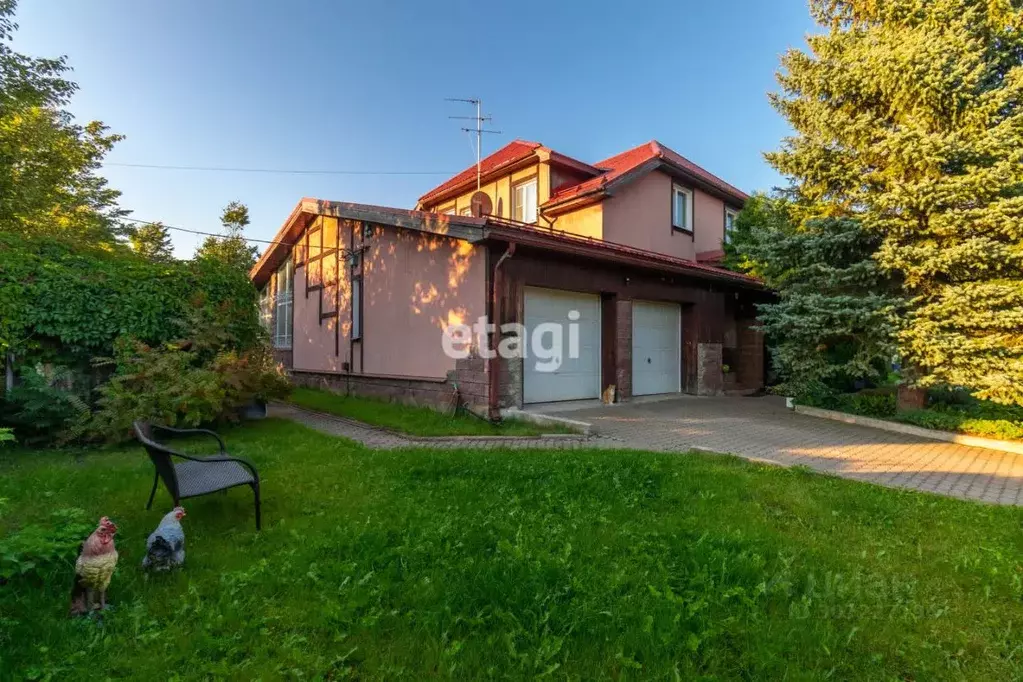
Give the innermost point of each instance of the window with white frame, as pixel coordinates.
(356, 308)
(681, 208)
(729, 223)
(285, 304)
(265, 310)
(466, 211)
(450, 210)
(524, 201)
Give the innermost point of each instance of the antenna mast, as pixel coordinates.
(479, 130)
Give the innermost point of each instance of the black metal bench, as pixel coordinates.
(195, 476)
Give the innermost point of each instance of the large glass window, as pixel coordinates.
(524, 202)
(285, 302)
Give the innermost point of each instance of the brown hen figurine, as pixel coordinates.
(94, 568)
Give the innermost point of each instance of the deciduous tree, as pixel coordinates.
(232, 248)
(48, 163)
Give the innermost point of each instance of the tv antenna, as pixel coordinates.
(479, 118)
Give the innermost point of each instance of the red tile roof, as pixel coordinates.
(606, 172)
(621, 165)
(513, 152)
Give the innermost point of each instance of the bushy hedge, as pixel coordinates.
(100, 328)
(66, 303)
(948, 409)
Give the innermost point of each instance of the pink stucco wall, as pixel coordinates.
(639, 215)
(710, 222)
(313, 345)
(414, 285)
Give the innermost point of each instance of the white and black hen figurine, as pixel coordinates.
(165, 548)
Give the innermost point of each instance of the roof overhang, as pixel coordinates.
(570, 202)
(518, 163)
(458, 227)
(611, 252)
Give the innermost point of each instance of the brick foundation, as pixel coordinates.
(407, 390)
(472, 379)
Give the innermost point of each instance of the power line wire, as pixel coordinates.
(292, 171)
(207, 234)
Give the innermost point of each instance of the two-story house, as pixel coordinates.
(360, 297)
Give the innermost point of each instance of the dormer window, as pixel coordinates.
(681, 208)
(524, 201)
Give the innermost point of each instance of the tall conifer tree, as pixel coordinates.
(907, 116)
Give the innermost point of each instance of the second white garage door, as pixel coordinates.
(656, 348)
(577, 378)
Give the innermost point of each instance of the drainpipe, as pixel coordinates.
(494, 365)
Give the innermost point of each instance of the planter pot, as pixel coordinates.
(254, 410)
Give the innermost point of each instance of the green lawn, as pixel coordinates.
(433, 564)
(415, 421)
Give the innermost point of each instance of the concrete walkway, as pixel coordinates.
(763, 429)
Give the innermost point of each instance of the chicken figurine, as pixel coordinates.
(94, 568)
(165, 548)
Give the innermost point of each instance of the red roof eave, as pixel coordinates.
(612, 251)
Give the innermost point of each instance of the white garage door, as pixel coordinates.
(656, 348)
(577, 377)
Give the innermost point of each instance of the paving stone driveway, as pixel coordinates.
(762, 428)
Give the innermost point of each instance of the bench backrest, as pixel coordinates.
(160, 455)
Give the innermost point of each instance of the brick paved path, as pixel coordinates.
(381, 439)
(754, 428)
(762, 429)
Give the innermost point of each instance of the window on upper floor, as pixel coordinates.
(681, 208)
(284, 322)
(466, 211)
(450, 210)
(524, 201)
(729, 223)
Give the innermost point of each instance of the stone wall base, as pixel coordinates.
(709, 380)
(436, 393)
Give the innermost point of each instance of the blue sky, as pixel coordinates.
(361, 85)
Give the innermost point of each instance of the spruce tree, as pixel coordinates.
(908, 117)
(832, 324)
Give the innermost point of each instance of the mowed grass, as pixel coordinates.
(509, 564)
(415, 421)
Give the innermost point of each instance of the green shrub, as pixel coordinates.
(46, 406)
(6, 435)
(40, 551)
(948, 409)
(63, 303)
(187, 383)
